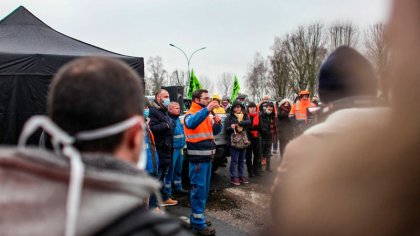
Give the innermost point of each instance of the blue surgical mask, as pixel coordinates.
(146, 113)
(166, 102)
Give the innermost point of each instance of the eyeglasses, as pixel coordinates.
(205, 98)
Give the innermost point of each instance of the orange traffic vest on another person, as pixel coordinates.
(299, 110)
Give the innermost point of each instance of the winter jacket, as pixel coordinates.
(339, 164)
(219, 110)
(162, 127)
(179, 137)
(341, 122)
(283, 121)
(232, 119)
(199, 132)
(34, 196)
(267, 126)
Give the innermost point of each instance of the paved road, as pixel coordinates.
(234, 210)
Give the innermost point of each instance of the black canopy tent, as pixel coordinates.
(31, 52)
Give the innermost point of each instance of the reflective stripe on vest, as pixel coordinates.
(208, 135)
(199, 216)
(299, 110)
(179, 136)
(201, 152)
(300, 115)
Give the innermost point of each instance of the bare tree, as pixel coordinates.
(306, 51)
(178, 77)
(379, 54)
(156, 74)
(206, 83)
(343, 34)
(279, 72)
(257, 78)
(225, 83)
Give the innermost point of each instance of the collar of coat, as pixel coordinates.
(158, 106)
(195, 107)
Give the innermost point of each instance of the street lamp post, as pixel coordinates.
(188, 58)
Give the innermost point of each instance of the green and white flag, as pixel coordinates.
(193, 85)
(235, 90)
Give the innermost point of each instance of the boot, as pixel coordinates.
(250, 173)
(206, 231)
(267, 166)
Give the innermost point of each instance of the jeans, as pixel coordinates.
(153, 202)
(173, 179)
(237, 160)
(200, 174)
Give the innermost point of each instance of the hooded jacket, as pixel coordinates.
(34, 187)
(268, 126)
(284, 123)
(232, 119)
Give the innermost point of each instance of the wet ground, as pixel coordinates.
(235, 210)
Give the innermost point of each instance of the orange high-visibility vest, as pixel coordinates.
(299, 110)
(203, 131)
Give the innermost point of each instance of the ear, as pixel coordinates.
(134, 138)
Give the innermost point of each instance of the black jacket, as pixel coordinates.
(232, 119)
(265, 125)
(162, 127)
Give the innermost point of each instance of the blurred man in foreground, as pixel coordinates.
(97, 104)
(364, 182)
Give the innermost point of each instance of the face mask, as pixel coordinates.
(61, 138)
(269, 112)
(166, 102)
(146, 113)
(142, 162)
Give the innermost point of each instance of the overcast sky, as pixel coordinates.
(232, 30)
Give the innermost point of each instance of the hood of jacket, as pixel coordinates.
(234, 105)
(34, 193)
(284, 101)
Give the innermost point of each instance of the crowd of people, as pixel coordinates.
(266, 127)
(99, 179)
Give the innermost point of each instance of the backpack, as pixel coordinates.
(239, 140)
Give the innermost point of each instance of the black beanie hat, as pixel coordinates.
(252, 104)
(345, 73)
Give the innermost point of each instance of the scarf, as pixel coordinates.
(255, 124)
(240, 117)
